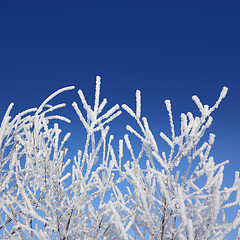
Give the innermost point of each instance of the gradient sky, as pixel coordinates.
(167, 49)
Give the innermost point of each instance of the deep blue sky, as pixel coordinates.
(167, 49)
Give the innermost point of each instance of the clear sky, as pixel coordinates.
(167, 49)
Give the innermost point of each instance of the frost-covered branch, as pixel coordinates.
(113, 190)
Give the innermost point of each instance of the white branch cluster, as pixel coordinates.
(109, 194)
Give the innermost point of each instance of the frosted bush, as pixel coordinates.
(108, 195)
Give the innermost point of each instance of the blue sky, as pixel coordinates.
(167, 49)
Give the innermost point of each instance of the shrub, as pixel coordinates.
(107, 196)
